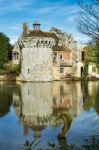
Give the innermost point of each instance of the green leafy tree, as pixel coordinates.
(9, 48)
(92, 53)
(89, 53)
(5, 46)
(96, 50)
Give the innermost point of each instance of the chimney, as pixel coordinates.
(25, 29)
(36, 25)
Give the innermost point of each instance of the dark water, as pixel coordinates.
(47, 112)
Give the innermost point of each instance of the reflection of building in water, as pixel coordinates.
(68, 95)
(40, 103)
(86, 124)
(62, 95)
(92, 87)
(35, 106)
(77, 97)
(37, 99)
(91, 95)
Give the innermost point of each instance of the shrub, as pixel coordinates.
(2, 71)
(15, 70)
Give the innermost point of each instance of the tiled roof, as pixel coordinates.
(61, 48)
(39, 33)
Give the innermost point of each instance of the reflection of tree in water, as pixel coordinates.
(5, 100)
(90, 100)
(96, 97)
(65, 116)
(31, 145)
(87, 98)
(67, 119)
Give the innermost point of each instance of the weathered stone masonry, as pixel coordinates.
(37, 58)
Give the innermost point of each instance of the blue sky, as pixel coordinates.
(50, 13)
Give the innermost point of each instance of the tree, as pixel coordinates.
(96, 50)
(90, 56)
(89, 53)
(88, 23)
(88, 18)
(5, 48)
(9, 48)
(92, 53)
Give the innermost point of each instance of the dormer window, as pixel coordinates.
(15, 55)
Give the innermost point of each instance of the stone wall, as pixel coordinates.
(56, 71)
(67, 72)
(37, 59)
(76, 69)
(92, 69)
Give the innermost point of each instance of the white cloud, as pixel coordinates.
(74, 9)
(14, 27)
(13, 39)
(56, 10)
(81, 37)
(51, 14)
(7, 6)
(19, 5)
(45, 10)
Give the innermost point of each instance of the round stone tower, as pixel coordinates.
(37, 55)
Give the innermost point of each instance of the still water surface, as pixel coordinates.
(47, 112)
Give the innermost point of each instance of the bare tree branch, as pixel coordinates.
(88, 18)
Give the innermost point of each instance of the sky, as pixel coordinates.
(50, 13)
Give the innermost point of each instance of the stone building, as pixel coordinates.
(63, 55)
(47, 56)
(74, 64)
(35, 54)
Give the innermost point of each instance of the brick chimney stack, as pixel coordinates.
(25, 29)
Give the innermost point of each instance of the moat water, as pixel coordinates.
(49, 115)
